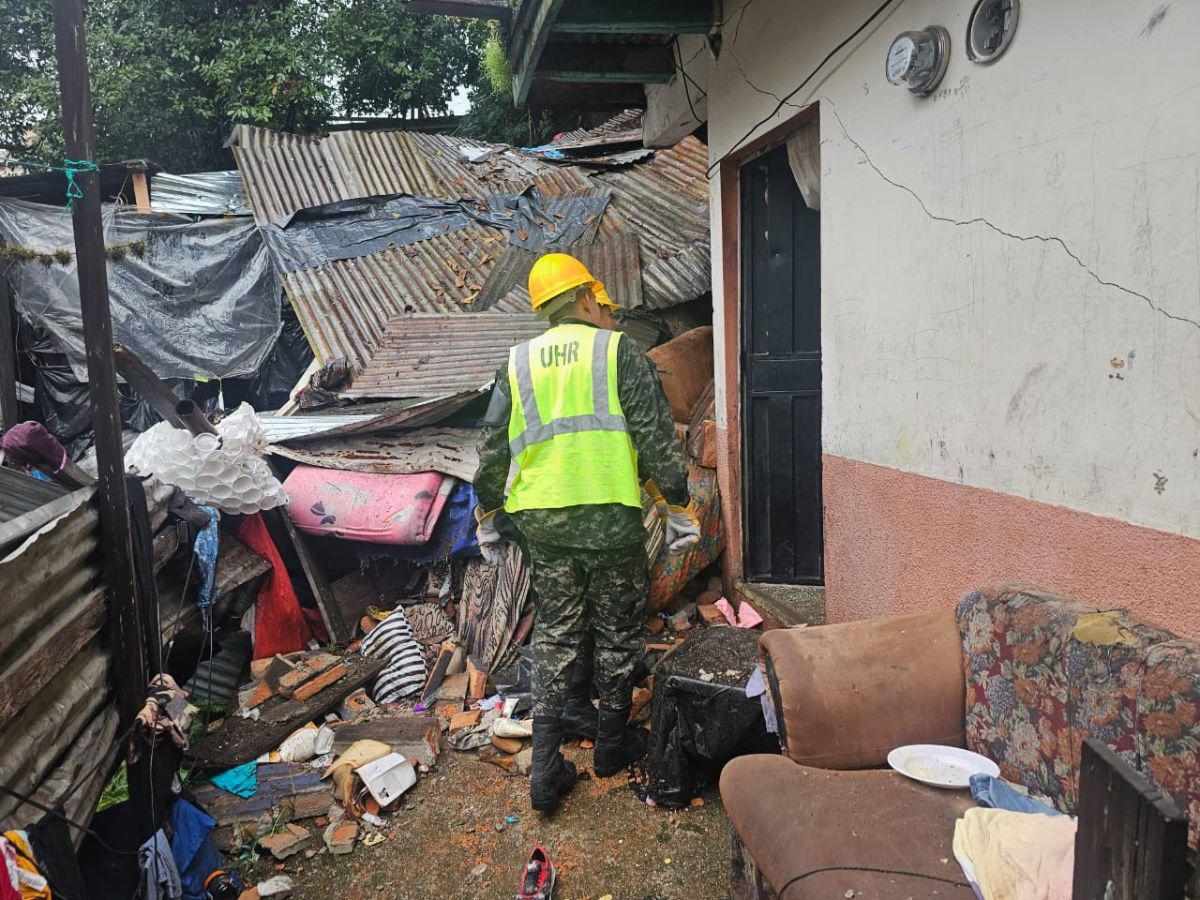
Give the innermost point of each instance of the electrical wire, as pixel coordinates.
(686, 78)
(811, 75)
(36, 804)
(872, 870)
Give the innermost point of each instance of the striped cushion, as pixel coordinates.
(392, 640)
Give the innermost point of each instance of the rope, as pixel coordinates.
(70, 168)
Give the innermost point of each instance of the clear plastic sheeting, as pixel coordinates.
(199, 194)
(188, 298)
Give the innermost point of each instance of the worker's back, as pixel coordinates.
(567, 430)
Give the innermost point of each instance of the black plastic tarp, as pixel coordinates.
(353, 228)
(700, 716)
(188, 298)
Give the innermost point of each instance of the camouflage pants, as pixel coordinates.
(582, 594)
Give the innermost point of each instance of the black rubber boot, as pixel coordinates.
(617, 744)
(551, 777)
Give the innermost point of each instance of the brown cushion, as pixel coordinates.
(848, 694)
(793, 819)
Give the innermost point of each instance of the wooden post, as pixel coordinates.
(126, 640)
(9, 413)
(141, 192)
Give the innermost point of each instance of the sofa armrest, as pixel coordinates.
(845, 695)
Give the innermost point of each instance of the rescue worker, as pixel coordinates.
(582, 414)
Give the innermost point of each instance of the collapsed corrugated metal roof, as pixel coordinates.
(650, 245)
(279, 429)
(427, 355)
(199, 194)
(448, 450)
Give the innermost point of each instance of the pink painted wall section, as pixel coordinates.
(899, 543)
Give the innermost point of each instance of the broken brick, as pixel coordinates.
(357, 704)
(318, 684)
(506, 745)
(306, 670)
(711, 615)
(466, 719)
(259, 694)
(288, 842)
(656, 625)
(340, 837)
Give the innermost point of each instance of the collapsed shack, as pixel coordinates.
(322, 648)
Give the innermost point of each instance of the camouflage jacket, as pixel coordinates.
(601, 526)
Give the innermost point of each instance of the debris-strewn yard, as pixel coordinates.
(604, 841)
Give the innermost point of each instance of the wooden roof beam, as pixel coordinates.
(606, 63)
(637, 17)
(497, 10)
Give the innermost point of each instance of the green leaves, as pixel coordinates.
(170, 78)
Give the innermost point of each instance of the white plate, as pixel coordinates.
(942, 767)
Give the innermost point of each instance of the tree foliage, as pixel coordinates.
(171, 77)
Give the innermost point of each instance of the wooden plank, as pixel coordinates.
(607, 63)
(285, 790)
(156, 392)
(124, 620)
(294, 543)
(1132, 840)
(240, 740)
(416, 738)
(530, 37)
(141, 192)
(637, 17)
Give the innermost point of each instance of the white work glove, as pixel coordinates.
(683, 529)
(491, 544)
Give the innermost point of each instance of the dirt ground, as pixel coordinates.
(450, 841)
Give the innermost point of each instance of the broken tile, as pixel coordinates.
(288, 842)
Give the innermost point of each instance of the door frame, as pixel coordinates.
(730, 474)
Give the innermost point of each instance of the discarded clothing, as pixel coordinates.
(242, 780)
(30, 881)
(1016, 856)
(166, 712)
(393, 640)
(757, 687)
(196, 856)
(57, 861)
(205, 549)
(160, 877)
(10, 881)
(30, 446)
(996, 793)
(279, 624)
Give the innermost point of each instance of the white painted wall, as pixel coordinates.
(990, 253)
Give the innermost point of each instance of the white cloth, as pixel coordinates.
(1016, 856)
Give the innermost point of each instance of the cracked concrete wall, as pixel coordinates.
(1011, 267)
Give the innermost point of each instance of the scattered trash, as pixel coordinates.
(387, 778)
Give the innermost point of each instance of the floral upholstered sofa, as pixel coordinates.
(1017, 674)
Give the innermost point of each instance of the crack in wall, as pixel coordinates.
(1025, 238)
(737, 62)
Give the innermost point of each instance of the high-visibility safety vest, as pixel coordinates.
(567, 432)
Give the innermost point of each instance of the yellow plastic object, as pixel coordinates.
(557, 273)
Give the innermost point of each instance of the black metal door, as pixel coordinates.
(781, 376)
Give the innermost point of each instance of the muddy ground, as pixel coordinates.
(604, 841)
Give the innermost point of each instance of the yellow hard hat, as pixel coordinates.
(557, 273)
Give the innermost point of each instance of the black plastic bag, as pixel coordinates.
(700, 716)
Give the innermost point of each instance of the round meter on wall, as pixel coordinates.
(918, 59)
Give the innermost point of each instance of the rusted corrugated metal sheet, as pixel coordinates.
(427, 355)
(448, 450)
(408, 413)
(614, 258)
(285, 173)
(346, 307)
(21, 493)
(627, 122)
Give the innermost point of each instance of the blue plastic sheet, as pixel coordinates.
(205, 549)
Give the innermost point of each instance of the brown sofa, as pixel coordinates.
(1017, 674)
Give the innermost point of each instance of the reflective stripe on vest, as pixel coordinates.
(537, 431)
(574, 449)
